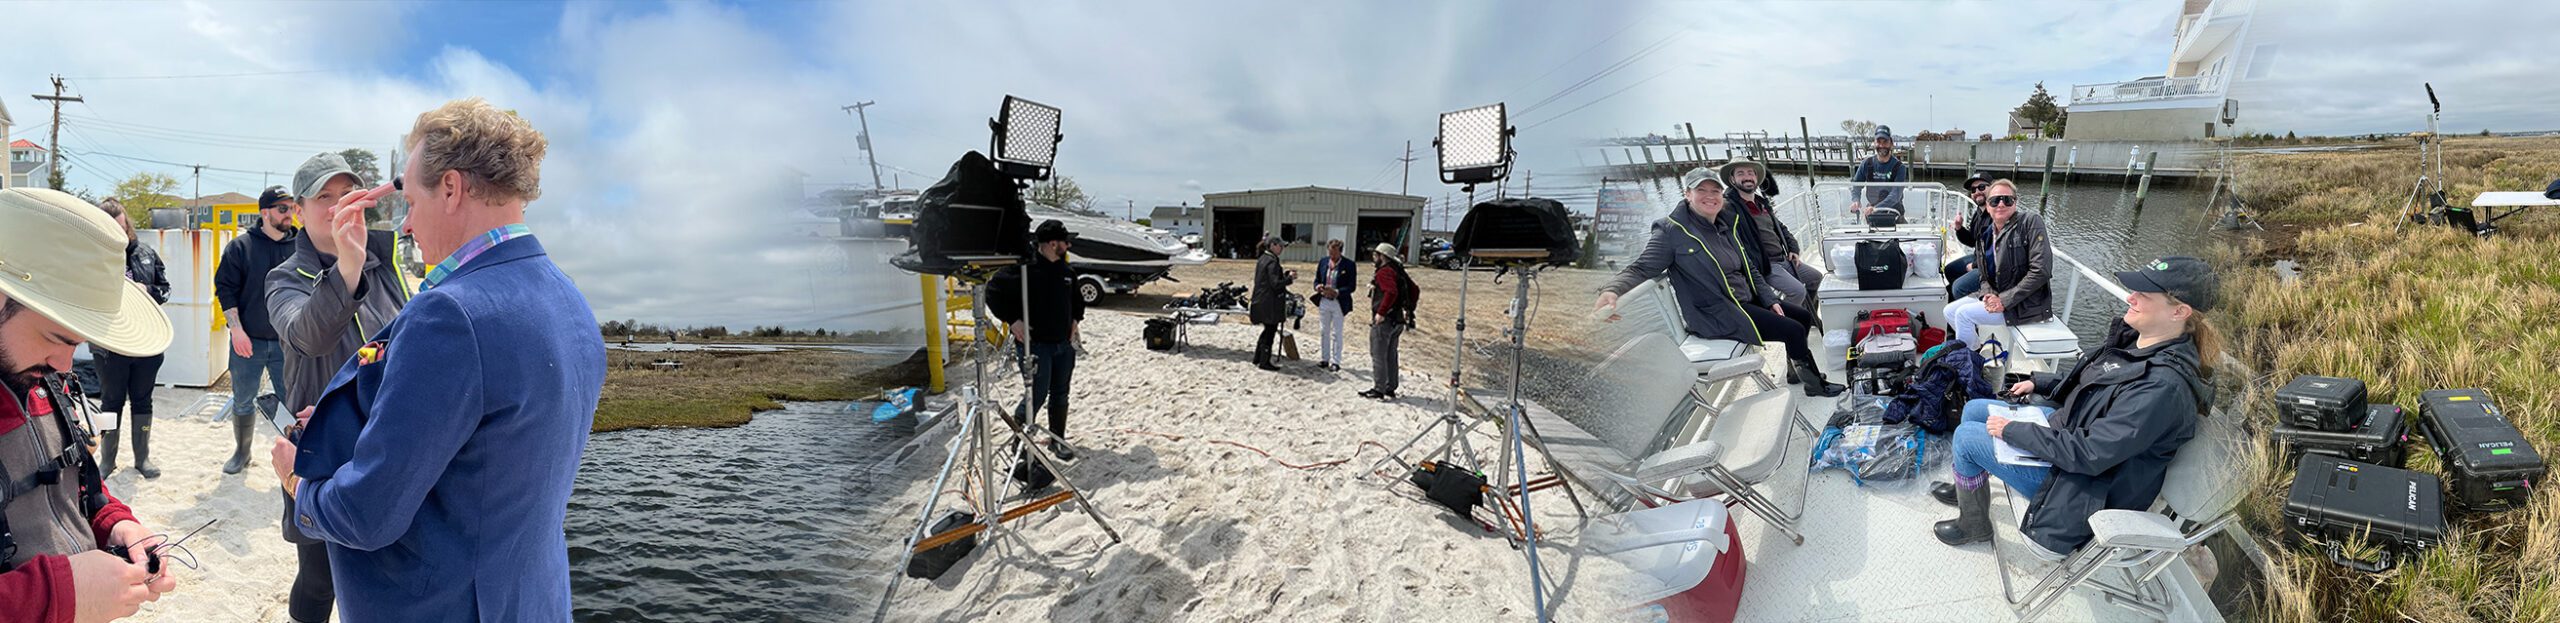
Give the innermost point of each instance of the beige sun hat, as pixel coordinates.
(65, 259)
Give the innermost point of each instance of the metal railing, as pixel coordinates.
(2146, 89)
(2082, 272)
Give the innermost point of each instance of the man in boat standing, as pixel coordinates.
(1882, 206)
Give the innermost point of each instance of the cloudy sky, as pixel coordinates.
(2339, 67)
(680, 131)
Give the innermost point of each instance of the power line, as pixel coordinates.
(181, 164)
(1602, 98)
(194, 76)
(1631, 25)
(1605, 72)
(177, 133)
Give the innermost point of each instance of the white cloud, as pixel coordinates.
(2353, 67)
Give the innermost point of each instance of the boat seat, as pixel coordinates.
(1653, 308)
(2049, 339)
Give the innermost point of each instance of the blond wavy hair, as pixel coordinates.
(497, 148)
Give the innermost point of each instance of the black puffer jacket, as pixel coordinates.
(1709, 306)
(2113, 435)
(2024, 272)
(142, 265)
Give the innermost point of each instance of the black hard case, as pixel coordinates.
(2488, 463)
(2335, 501)
(2379, 439)
(2321, 402)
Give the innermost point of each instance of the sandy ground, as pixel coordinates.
(1216, 532)
(244, 566)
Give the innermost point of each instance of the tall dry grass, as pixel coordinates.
(2406, 311)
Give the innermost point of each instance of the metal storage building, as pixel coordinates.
(1308, 216)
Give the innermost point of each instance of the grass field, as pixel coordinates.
(2406, 311)
(726, 388)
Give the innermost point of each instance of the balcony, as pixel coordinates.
(2147, 90)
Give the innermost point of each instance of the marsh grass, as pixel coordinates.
(715, 389)
(2406, 311)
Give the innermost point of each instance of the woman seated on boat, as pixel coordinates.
(1708, 249)
(2016, 266)
(2124, 411)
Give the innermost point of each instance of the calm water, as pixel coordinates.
(2094, 221)
(763, 522)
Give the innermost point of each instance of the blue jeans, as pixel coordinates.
(1055, 370)
(266, 356)
(1975, 455)
(1966, 279)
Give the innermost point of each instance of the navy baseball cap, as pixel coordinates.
(2188, 279)
(1884, 133)
(273, 197)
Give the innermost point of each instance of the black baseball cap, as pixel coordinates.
(1052, 230)
(2185, 278)
(1978, 176)
(273, 197)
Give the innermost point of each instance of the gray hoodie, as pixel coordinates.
(321, 324)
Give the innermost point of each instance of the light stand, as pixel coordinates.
(2426, 206)
(1025, 145)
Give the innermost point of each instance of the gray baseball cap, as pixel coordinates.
(316, 172)
(1690, 180)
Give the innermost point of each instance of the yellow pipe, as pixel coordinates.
(933, 342)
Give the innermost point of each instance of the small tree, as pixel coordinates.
(1061, 192)
(147, 191)
(2041, 110)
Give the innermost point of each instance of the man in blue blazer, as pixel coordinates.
(437, 464)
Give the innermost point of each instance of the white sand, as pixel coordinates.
(246, 566)
(1213, 532)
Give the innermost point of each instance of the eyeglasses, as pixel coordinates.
(2004, 200)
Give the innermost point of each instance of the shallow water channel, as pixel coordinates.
(762, 522)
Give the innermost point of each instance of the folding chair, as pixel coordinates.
(1651, 307)
(1746, 442)
(2138, 546)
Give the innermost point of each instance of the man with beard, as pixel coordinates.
(1796, 282)
(240, 284)
(62, 282)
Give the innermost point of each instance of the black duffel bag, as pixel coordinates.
(1520, 223)
(989, 221)
(1881, 265)
(1159, 333)
(931, 563)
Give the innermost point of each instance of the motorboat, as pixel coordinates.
(1115, 257)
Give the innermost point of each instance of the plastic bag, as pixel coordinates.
(1857, 440)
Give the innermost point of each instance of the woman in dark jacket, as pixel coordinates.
(2124, 412)
(1270, 289)
(2016, 267)
(1722, 295)
(131, 378)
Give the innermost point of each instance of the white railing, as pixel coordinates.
(2081, 272)
(2146, 89)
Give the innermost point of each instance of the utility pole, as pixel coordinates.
(53, 161)
(199, 175)
(865, 140)
(1408, 168)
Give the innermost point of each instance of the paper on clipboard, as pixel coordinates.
(2011, 455)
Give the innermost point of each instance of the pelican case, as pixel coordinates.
(930, 564)
(2321, 403)
(2379, 439)
(2396, 514)
(2490, 465)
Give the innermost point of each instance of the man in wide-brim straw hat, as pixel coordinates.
(62, 282)
(1796, 282)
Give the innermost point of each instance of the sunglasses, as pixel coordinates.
(1975, 188)
(2004, 200)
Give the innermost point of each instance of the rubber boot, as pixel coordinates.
(107, 454)
(1814, 384)
(1973, 517)
(240, 432)
(142, 446)
(1945, 492)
